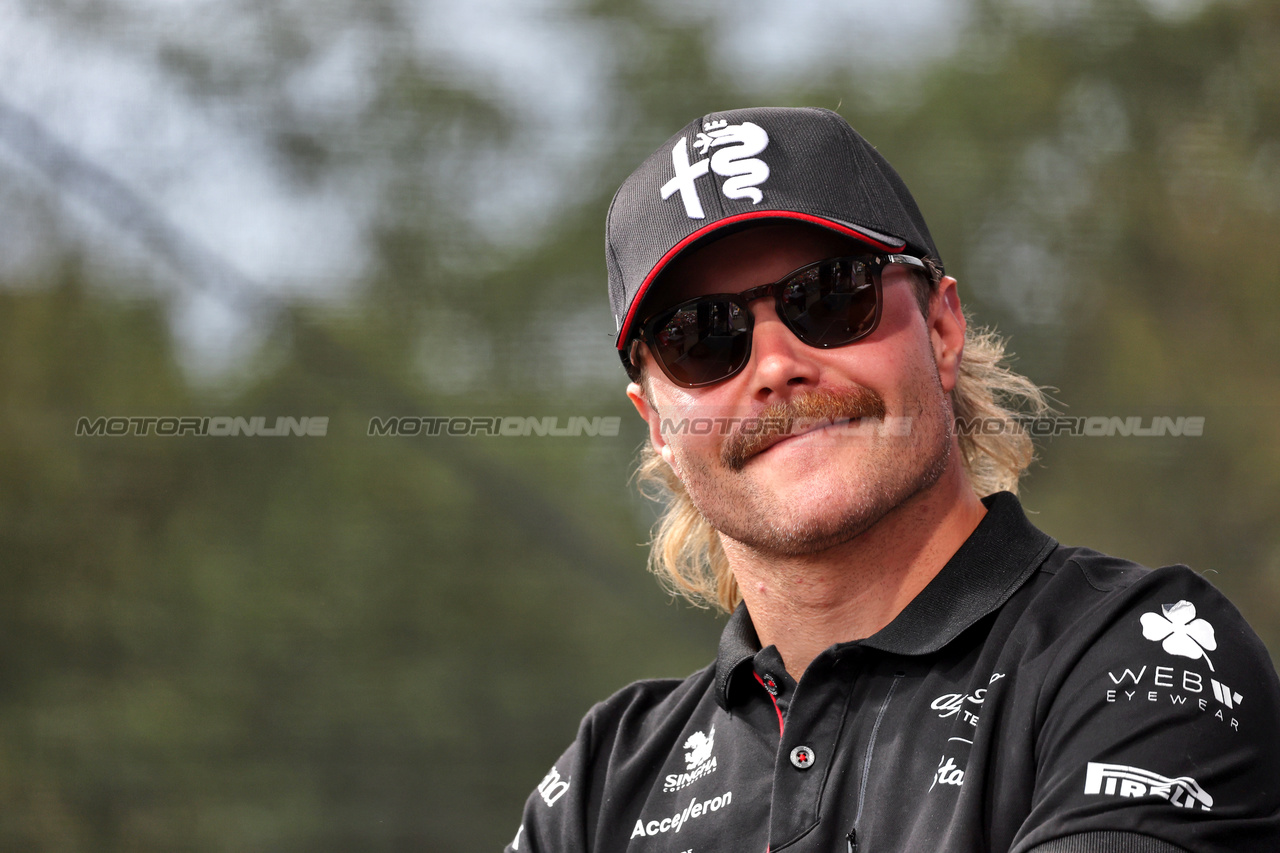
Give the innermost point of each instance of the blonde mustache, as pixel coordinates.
(778, 420)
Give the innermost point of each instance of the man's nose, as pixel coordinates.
(779, 360)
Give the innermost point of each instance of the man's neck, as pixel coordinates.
(805, 604)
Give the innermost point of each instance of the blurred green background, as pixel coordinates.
(372, 208)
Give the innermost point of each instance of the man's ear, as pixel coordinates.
(641, 401)
(946, 331)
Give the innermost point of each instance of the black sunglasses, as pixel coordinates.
(708, 339)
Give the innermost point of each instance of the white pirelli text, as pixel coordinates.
(1124, 781)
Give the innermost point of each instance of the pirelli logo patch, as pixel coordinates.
(1120, 780)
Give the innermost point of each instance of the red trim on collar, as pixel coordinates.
(772, 698)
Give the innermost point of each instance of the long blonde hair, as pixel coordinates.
(988, 403)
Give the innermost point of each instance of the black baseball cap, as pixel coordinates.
(729, 170)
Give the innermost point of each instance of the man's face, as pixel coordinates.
(815, 489)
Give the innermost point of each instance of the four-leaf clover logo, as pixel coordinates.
(1183, 634)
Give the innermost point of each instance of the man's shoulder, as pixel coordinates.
(1102, 572)
(643, 707)
(1139, 690)
(1094, 614)
(1090, 611)
(1077, 581)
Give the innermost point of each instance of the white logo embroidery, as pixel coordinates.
(952, 704)
(552, 787)
(1225, 694)
(1183, 634)
(735, 159)
(1179, 687)
(698, 761)
(1119, 779)
(947, 773)
(699, 746)
(694, 810)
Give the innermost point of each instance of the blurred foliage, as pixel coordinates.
(381, 643)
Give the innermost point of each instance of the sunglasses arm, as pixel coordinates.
(628, 364)
(908, 260)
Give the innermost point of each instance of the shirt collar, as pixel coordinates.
(997, 558)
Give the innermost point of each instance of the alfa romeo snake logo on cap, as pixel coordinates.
(735, 159)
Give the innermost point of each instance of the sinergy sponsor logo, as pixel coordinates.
(698, 760)
(676, 781)
(695, 809)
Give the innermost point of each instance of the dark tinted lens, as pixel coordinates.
(702, 341)
(832, 303)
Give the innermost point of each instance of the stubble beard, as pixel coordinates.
(891, 470)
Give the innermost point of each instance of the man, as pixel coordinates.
(910, 664)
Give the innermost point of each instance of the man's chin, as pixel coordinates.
(797, 509)
(799, 517)
(786, 540)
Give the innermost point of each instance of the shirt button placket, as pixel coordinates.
(810, 743)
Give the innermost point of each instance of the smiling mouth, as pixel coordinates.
(804, 430)
(790, 419)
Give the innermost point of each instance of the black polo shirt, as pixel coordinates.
(1032, 697)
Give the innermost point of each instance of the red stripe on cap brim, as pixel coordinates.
(830, 224)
